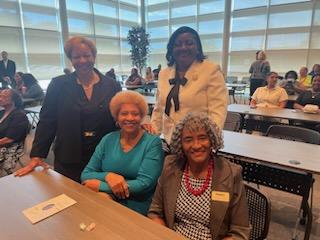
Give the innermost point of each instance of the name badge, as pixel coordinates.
(220, 196)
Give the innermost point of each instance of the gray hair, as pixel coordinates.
(194, 122)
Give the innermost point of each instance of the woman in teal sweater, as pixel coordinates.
(127, 163)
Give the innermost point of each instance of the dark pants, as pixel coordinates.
(255, 83)
(74, 170)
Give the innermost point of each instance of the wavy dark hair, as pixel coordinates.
(29, 80)
(169, 56)
(294, 73)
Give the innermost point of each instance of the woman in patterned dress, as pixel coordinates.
(14, 126)
(200, 194)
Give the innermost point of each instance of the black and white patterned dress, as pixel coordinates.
(192, 214)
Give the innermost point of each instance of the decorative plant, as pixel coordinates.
(139, 41)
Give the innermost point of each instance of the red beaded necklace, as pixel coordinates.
(203, 188)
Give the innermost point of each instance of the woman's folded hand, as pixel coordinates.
(118, 185)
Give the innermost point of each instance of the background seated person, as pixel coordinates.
(111, 74)
(149, 75)
(32, 88)
(312, 99)
(156, 72)
(290, 84)
(134, 78)
(185, 196)
(305, 80)
(315, 70)
(17, 82)
(309, 97)
(126, 163)
(14, 126)
(270, 96)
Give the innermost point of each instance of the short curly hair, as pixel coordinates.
(74, 41)
(194, 122)
(126, 97)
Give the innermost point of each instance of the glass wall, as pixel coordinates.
(164, 17)
(289, 31)
(107, 23)
(31, 33)
(286, 29)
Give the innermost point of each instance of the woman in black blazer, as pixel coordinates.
(75, 113)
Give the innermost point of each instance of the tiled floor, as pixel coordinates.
(284, 207)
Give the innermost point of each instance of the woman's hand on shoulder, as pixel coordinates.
(35, 162)
(118, 185)
(93, 184)
(148, 127)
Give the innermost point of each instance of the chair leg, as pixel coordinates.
(295, 235)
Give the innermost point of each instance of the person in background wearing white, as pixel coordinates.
(149, 75)
(270, 96)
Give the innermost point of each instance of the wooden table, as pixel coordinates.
(280, 164)
(113, 221)
(284, 113)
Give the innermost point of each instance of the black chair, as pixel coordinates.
(233, 122)
(240, 90)
(232, 98)
(301, 135)
(232, 79)
(259, 213)
(294, 133)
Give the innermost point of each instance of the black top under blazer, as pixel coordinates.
(60, 117)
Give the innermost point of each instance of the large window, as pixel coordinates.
(164, 17)
(283, 28)
(31, 32)
(288, 30)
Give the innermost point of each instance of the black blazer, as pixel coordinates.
(10, 71)
(60, 118)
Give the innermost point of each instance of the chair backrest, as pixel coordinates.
(294, 133)
(232, 79)
(245, 80)
(233, 122)
(259, 213)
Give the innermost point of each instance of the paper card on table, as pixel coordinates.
(48, 208)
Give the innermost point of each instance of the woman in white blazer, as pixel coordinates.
(190, 83)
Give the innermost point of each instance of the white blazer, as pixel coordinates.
(205, 91)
